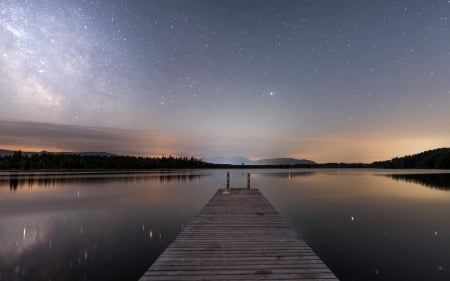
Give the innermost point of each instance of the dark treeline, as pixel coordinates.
(431, 159)
(37, 161)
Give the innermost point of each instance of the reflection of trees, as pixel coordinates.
(439, 181)
(13, 183)
(49, 180)
(178, 178)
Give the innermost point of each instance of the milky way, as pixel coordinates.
(327, 80)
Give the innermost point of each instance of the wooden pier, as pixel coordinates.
(238, 236)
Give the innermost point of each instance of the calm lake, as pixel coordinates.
(365, 224)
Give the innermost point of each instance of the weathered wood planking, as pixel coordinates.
(238, 236)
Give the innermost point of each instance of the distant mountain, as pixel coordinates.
(4, 152)
(431, 159)
(239, 160)
(235, 160)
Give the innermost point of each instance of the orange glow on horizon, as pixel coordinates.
(346, 148)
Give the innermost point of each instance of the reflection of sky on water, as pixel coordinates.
(290, 173)
(368, 227)
(365, 226)
(21, 234)
(66, 228)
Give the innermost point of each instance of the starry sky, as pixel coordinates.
(351, 80)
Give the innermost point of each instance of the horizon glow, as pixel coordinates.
(354, 81)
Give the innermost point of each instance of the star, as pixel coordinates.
(109, 63)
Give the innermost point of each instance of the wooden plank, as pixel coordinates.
(238, 236)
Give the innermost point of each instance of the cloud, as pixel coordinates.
(33, 136)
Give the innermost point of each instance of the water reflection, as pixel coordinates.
(437, 180)
(51, 179)
(366, 226)
(288, 174)
(106, 226)
(92, 226)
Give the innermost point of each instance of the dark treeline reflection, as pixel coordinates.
(439, 181)
(16, 181)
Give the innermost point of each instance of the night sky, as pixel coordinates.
(321, 79)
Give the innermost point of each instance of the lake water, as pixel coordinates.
(365, 224)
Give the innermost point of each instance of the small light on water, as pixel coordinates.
(352, 218)
(151, 234)
(143, 227)
(440, 268)
(85, 255)
(435, 233)
(376, 271)
(24, 232)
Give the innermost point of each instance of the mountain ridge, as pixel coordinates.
(239, 160)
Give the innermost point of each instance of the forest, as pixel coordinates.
(39, 161)
(431, 159)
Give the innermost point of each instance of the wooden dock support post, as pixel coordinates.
(228, 184)
(248, 180)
